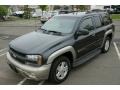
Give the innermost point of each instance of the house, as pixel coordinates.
(96, 7)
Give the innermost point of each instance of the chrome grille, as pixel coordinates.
(18, 56)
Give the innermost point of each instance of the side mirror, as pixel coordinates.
(83, 32)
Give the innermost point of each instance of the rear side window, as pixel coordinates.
(87, 24)
(97, 21)
(106, 19)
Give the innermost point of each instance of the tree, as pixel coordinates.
(81, 7)
(56, 7)
(72, 7)
(65, 7)
(43, 8)
(3, 11)
(26, 12)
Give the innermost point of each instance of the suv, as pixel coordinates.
(63, 42)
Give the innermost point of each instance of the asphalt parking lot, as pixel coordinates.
(103, 69)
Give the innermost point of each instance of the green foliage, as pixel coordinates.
(43, 7)
(56, 7)
(26, 12)
(81, 7)
(3, 10)
(66, 8)
(115, 16)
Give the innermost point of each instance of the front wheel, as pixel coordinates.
(106, 45)
(60, 70)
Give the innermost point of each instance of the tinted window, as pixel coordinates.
(87, 24)
(97, 21)
(106, 19)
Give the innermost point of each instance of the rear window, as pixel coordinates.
(106, 19)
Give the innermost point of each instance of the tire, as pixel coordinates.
(106, 45)
(43, 22)
(57, 73)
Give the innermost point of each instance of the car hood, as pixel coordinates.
(35, 42)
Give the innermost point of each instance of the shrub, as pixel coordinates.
(3, 10)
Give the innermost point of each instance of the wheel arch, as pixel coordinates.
(109, 33)
(66, 51)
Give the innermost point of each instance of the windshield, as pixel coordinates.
(60, 24)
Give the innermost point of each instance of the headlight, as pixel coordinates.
(35, 58)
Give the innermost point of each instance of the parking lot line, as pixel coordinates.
(21, 82)
(117, 50)
(4, 37)
(3, 49)
(41, 83)
(2, 54)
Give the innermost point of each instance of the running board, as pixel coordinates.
(86, 57)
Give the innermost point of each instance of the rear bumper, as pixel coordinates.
(35, 73)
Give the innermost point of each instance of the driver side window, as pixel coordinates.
(87, 24)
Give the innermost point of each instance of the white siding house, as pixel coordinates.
(97, 7)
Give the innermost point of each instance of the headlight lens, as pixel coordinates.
(35, 58)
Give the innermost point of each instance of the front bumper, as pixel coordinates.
(35, 73)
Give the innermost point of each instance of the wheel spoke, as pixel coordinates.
(63, 74)
(65, 68)
(62, 70)
(59, 68)
(58, 74)
(63, 64)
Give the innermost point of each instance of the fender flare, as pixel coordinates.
(59, 52)
(106, 34)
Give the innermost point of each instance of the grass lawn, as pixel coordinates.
(115, 16)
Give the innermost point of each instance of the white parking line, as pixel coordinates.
(41, 83)
(2, 54)
(3, 49)
(117, 50)
(4, 37)
(21, 82)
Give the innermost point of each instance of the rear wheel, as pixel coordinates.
(106, 45)
(60, 70)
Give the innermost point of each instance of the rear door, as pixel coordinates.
(99, 30)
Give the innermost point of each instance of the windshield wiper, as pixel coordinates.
(54, 31)
(43, 29)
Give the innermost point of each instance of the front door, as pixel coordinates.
(85, 43)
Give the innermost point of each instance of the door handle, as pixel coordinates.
(93, 34)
